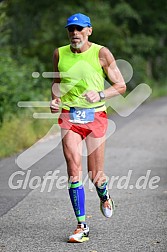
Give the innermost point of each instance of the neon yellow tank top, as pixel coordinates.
(79, 73)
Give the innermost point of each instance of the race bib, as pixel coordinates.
(82, 115)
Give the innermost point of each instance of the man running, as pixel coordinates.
(78, 89)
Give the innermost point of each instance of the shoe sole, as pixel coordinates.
(73, 240)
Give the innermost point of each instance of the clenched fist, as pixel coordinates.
(54, 105)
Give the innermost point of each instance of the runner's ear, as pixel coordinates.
(89, 31)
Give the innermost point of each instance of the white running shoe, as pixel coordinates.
(107, 207)
(80, 234)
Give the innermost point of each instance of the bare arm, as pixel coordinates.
(55, 93)
(109, 65)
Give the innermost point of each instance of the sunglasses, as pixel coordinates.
(72, 28)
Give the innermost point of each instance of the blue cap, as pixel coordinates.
(78, 19)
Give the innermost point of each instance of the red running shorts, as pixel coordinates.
(97, 128)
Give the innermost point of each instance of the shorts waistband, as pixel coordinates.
(97, 109)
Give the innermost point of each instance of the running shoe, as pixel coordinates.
(80, 234)
(107, 207)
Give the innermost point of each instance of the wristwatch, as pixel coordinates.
(102, 95)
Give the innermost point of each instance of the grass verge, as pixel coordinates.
(21, 132)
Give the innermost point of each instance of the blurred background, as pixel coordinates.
(135, 31)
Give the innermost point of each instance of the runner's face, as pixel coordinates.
(78, 35)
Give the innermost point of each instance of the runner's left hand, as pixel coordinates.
(92, 96)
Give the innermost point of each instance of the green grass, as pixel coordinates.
(21, 132)
(159, 91)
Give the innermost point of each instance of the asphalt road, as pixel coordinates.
(34, 220)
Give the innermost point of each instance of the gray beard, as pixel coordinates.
(77, 46)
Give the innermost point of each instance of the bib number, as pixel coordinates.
(82, 115)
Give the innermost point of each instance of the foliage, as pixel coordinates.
(16, 83)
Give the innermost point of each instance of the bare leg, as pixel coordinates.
(72, 153)
(70, 142)
(95, 147)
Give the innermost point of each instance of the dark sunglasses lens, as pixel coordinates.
(79, 28)
(72, 28)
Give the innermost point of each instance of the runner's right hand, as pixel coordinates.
(54, 105)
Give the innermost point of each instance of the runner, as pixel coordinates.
(79, 89)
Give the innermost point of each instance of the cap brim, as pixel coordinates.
(83, 25)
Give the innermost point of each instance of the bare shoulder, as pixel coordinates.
(56, 54)
(105, 57)
(56, 59)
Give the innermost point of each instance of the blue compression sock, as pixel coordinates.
(102, 191)
(77, 196)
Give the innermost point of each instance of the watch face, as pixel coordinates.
(102, 96)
